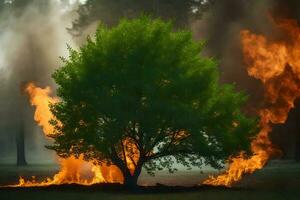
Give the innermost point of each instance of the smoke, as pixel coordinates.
(32, 38)
(221, 27)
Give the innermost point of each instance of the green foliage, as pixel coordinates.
(143, 81)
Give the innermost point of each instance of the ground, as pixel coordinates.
(279, 180)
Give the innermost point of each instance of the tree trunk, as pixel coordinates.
(130, 180)
(20, 140)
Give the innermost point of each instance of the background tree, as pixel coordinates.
(139, 95)
(110, 12)
(6, 10)
(19, 69)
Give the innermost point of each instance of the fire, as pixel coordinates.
(40, 98)
(72, 169)
(277, 64)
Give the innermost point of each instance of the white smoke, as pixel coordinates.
(31, 40)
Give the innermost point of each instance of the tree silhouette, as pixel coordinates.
(110, 12)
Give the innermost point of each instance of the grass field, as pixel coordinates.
(279, 180)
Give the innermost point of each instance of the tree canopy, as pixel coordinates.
(140, 94)
(110, 12)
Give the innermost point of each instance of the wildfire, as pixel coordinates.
(275, 62)
(72, 170)
(277, 65)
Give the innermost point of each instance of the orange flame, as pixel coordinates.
(73, 170)
(277, 65)
(40, 98)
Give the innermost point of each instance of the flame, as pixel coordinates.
(40, 98)
(72, 169)
(277, 65)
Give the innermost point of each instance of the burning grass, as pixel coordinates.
(276, 181)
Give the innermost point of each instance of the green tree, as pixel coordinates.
(140, 93)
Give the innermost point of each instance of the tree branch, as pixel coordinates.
(124, 154)
(169, 153)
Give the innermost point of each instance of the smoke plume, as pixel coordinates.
(32, 38)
